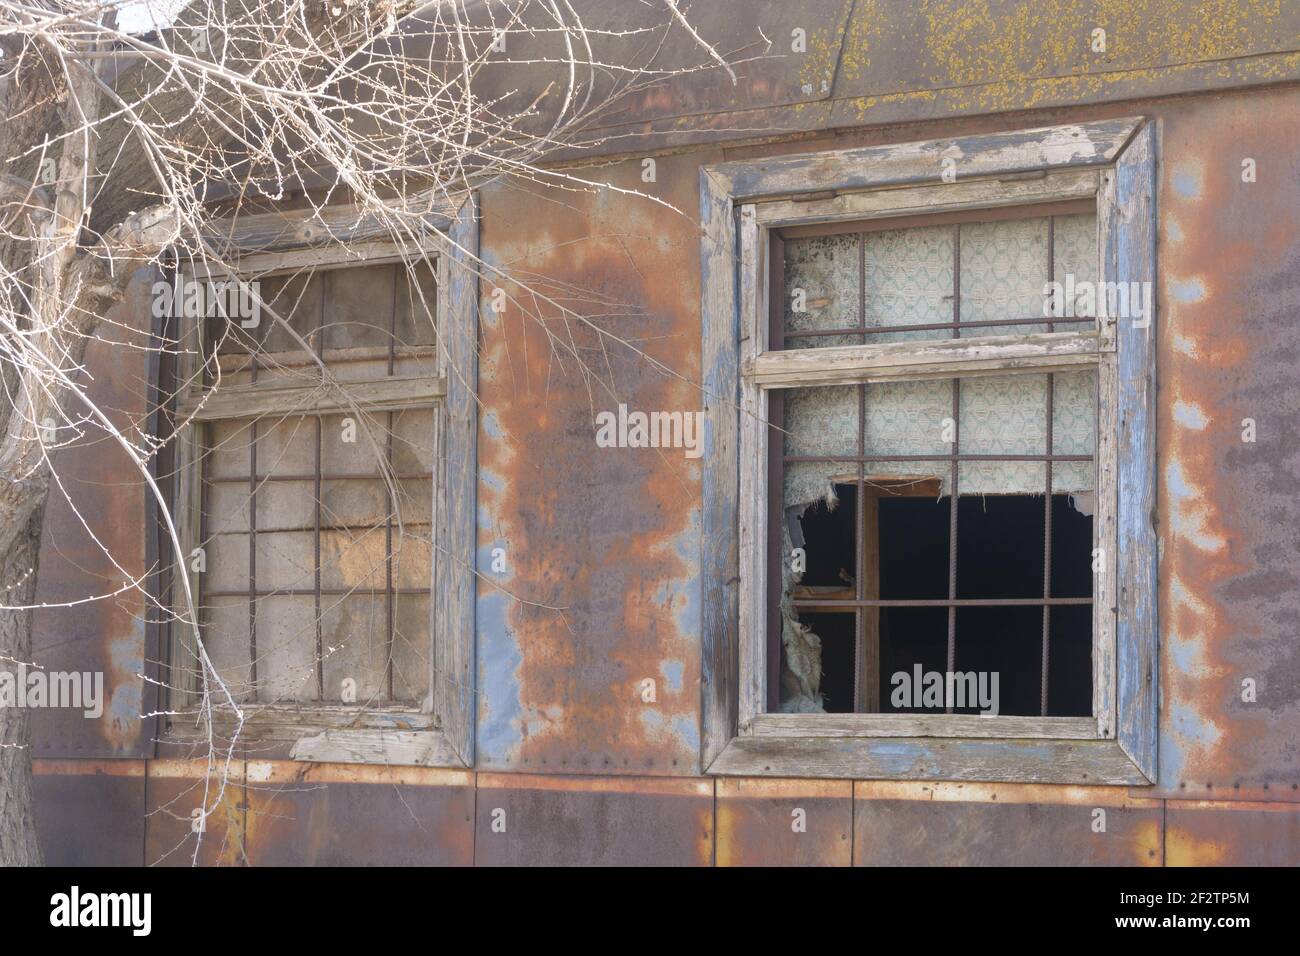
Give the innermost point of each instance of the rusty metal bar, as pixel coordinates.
(953, 463)
(389, 597)
(931, 327)
(328, 476)
(252, 559)
(940, 602)
(848, 459)
(1047, 497)
(308, 592)
(316, 479)
(860, 518)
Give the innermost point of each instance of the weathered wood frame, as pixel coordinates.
(441, 731)
(1113, 160)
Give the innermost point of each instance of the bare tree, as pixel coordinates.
(126, 148)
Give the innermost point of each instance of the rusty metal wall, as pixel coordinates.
(601, 547)
(93, 545)
(599, 591)
(277, 813)
(1229, 510)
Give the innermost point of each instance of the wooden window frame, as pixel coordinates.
(1112, 161)
(439, 732)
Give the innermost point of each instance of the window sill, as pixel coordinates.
(1016, 760)
(391, 736)
(923, 725)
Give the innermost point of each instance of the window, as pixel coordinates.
(927, 543)
(941, 453)
(313, 504)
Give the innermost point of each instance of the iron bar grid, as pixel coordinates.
(253, 594)
(954, 459)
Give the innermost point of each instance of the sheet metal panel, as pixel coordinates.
(1021, 53)
(346, 815)
(536, 820)
(784, 822)
(1229, 510)
(648, 66)
(590, 556)
(950, 824)
(1232, 833)
(90, 812)
(101, 630)
(174, 789)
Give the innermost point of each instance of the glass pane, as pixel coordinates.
(821, 289)
(1074, 430)
(908, 281)
(1075, 251)
(1003, 270)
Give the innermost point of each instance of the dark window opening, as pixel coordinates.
(865, 641)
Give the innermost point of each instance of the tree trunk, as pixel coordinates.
(18, 844)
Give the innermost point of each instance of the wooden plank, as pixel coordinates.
(246, 233)
(297, 358)
(940, 358)
(373, 252)
(1105, 597)
(427, 748)
(719, 559)
(923, 725)
(927, 758)
(251, 401)
(1105, 594)
(187, 514)
(753, 502)
(989, 154)
(455, 530)
(288, 723)
(935, 198)
(1130, 252)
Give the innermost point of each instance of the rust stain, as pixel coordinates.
(1227, 348)
(606, 537)
(1004, 793)
(174, 789)
(105, 635)
(784, 822)
(548, 819)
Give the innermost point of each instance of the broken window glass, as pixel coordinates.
(936, 526)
